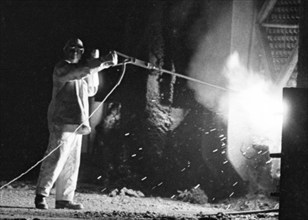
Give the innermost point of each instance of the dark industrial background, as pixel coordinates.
(159, 128)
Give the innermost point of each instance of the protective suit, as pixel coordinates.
(73, 84)
(68, 109)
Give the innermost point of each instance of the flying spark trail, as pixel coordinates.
(215, 150)
(234, 184)
(197, 186)
(225, 162)
(144, 178)
(223, 152)
(99, 177)
(133, 155)
(127, 134)
(182, 170)
(269, 161)
(265, 152)
(231, 194)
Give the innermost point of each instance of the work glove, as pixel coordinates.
(111, 59)
(114, 58)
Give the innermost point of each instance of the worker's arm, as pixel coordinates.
(92, 79)
(66, 71)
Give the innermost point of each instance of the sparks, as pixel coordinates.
(197, 186)
(269, 161)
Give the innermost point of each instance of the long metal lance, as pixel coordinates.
(146, 65)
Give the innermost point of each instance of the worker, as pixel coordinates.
(68, 112)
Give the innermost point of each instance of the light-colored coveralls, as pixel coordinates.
(69, 107)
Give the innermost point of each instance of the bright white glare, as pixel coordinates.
(261, 110)
(257, 102)
(255, 115)
(233, 61)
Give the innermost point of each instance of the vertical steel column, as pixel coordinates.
(302, 78)
(294, 156)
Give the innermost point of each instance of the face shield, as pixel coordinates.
(73, 50)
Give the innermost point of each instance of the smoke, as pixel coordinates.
(256, 99)
(212, 40)
(251, 104)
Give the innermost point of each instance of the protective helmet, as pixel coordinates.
(74, 43)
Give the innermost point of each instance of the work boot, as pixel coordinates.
(62, 204)
(40, 202)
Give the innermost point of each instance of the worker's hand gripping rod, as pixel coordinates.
(146, 65)
(136, 62)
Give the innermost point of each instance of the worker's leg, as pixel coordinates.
(53, 164)
(67, 180)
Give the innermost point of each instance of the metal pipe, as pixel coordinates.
(147, 65)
